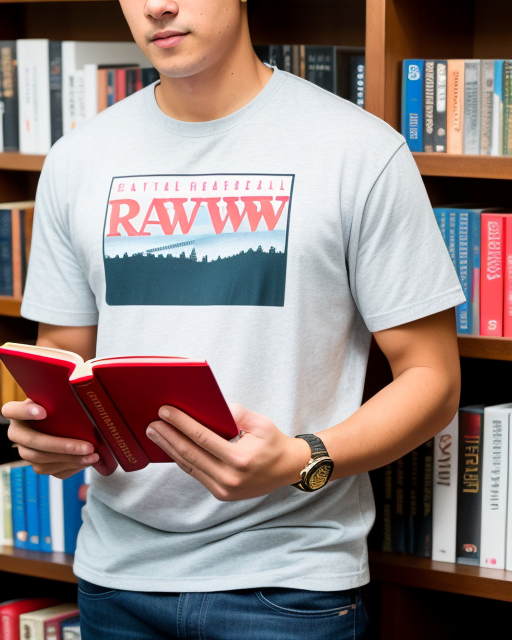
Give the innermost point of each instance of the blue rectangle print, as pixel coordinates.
(412, 103)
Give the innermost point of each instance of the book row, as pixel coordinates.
(38, 512)
(451, 499)
(339, 70)
(49, 87)
(458, 106)
(480, 245)
(39, 619)
(16, 219)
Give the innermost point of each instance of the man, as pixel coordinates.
(236, 212)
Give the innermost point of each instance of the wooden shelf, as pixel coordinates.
(441, 164)
(52, 566)
(10, 307)
(423, 573)
(485, 348)
(21, 162)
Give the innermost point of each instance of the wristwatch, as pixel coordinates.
(318, 470)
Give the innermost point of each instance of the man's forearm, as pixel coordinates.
(413, 408)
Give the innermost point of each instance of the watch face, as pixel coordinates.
(319, 475)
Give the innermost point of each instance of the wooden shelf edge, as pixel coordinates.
(52, 566)
(422, 573)
(460, 166)
(13, 161)
(485, 348)
(10, 307)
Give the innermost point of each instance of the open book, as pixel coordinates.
(111, 401)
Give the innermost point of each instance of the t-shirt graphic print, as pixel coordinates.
(216, 239)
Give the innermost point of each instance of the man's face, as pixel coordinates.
(184, 37)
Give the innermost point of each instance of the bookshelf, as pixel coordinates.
(413, 597)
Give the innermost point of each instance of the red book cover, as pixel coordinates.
(10, 614)
(507, 295)
(138, 82)
(491, 275)
(120, 395)
(120, 89)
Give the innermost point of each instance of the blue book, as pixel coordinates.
(72, 510)
(6, 269)
(497, 113)
(45, 534)
(440, 215)
(19, 514)
(32, 508)
(70, 629)
(463, 311)
(412, 103)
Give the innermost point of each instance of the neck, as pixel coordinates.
(218, 91)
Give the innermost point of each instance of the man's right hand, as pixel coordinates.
(48, 455)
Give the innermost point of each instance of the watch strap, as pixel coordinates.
(318, 449)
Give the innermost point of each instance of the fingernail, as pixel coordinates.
(90, 459)
(150, 432)
(34, 411)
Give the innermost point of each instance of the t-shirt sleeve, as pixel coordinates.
(400, 269)
(57, 291)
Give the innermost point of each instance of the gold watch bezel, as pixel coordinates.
(312, 465)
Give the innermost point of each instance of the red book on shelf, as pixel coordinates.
(491, 274)
(10, 614)
(507, 282)
(120, 90)
(111, 401)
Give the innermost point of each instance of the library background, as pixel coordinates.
(439, 73)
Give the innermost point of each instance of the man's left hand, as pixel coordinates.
(260, 462)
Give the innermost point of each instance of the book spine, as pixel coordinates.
(102, 90)
(507, 279)
(30, 630)
(320, 67)
(6, 267)
(475, 240)
(472, 118)
(287, 58)
(7, 533)
(111, 87)
(412, 498)
(444, 507)
(487, 106)
(19, 513)
(17, 266)
(469, 490)
(357, 80)
(302, 61)
(56, 514)
(508, 549)
(491, 278)
(429, 91)
(440, 215)
(412, 105)
(397, 514)
(120, 93)
(111, 425)
(41, 61)
(138, 79)
(463, 311)
(26, 95)
(32, 509)
(387, 537)
(497, 110)
(440, 106)
(45, 531)
(72, 510)
(9, 627)
(455, 106)
(56, 90)
(494, 487)
(507, 108)
(423, 524)
(9, 93)
(453, 224)
(149, 75)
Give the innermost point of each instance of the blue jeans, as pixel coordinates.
(246, 614)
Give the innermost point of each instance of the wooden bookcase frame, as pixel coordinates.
(392, 30)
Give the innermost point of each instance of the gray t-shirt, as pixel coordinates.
(271, 243)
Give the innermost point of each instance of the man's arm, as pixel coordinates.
(60, 457)
(420, 401)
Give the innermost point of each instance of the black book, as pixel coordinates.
(9, 94)
(131, 81)
(321, 66)
(411, 498)
(423, 520)
(429, 99)
(357, 80)
(469, 484)
(149, 75)
(387, 500)
(55, 52)
(397, 509)
(440, 106)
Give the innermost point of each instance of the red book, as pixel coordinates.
(119, 396)
(10, 614)
(120, 89)
(507, 269)
(491, 274)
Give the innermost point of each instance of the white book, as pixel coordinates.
(34, 95)
(57, 514)
(6, 533)
(444, 501)
(75, 55)
(44, 624)
(508, 551)
(497, 110)
(472, 104)
(495, 454)
(90, 91)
